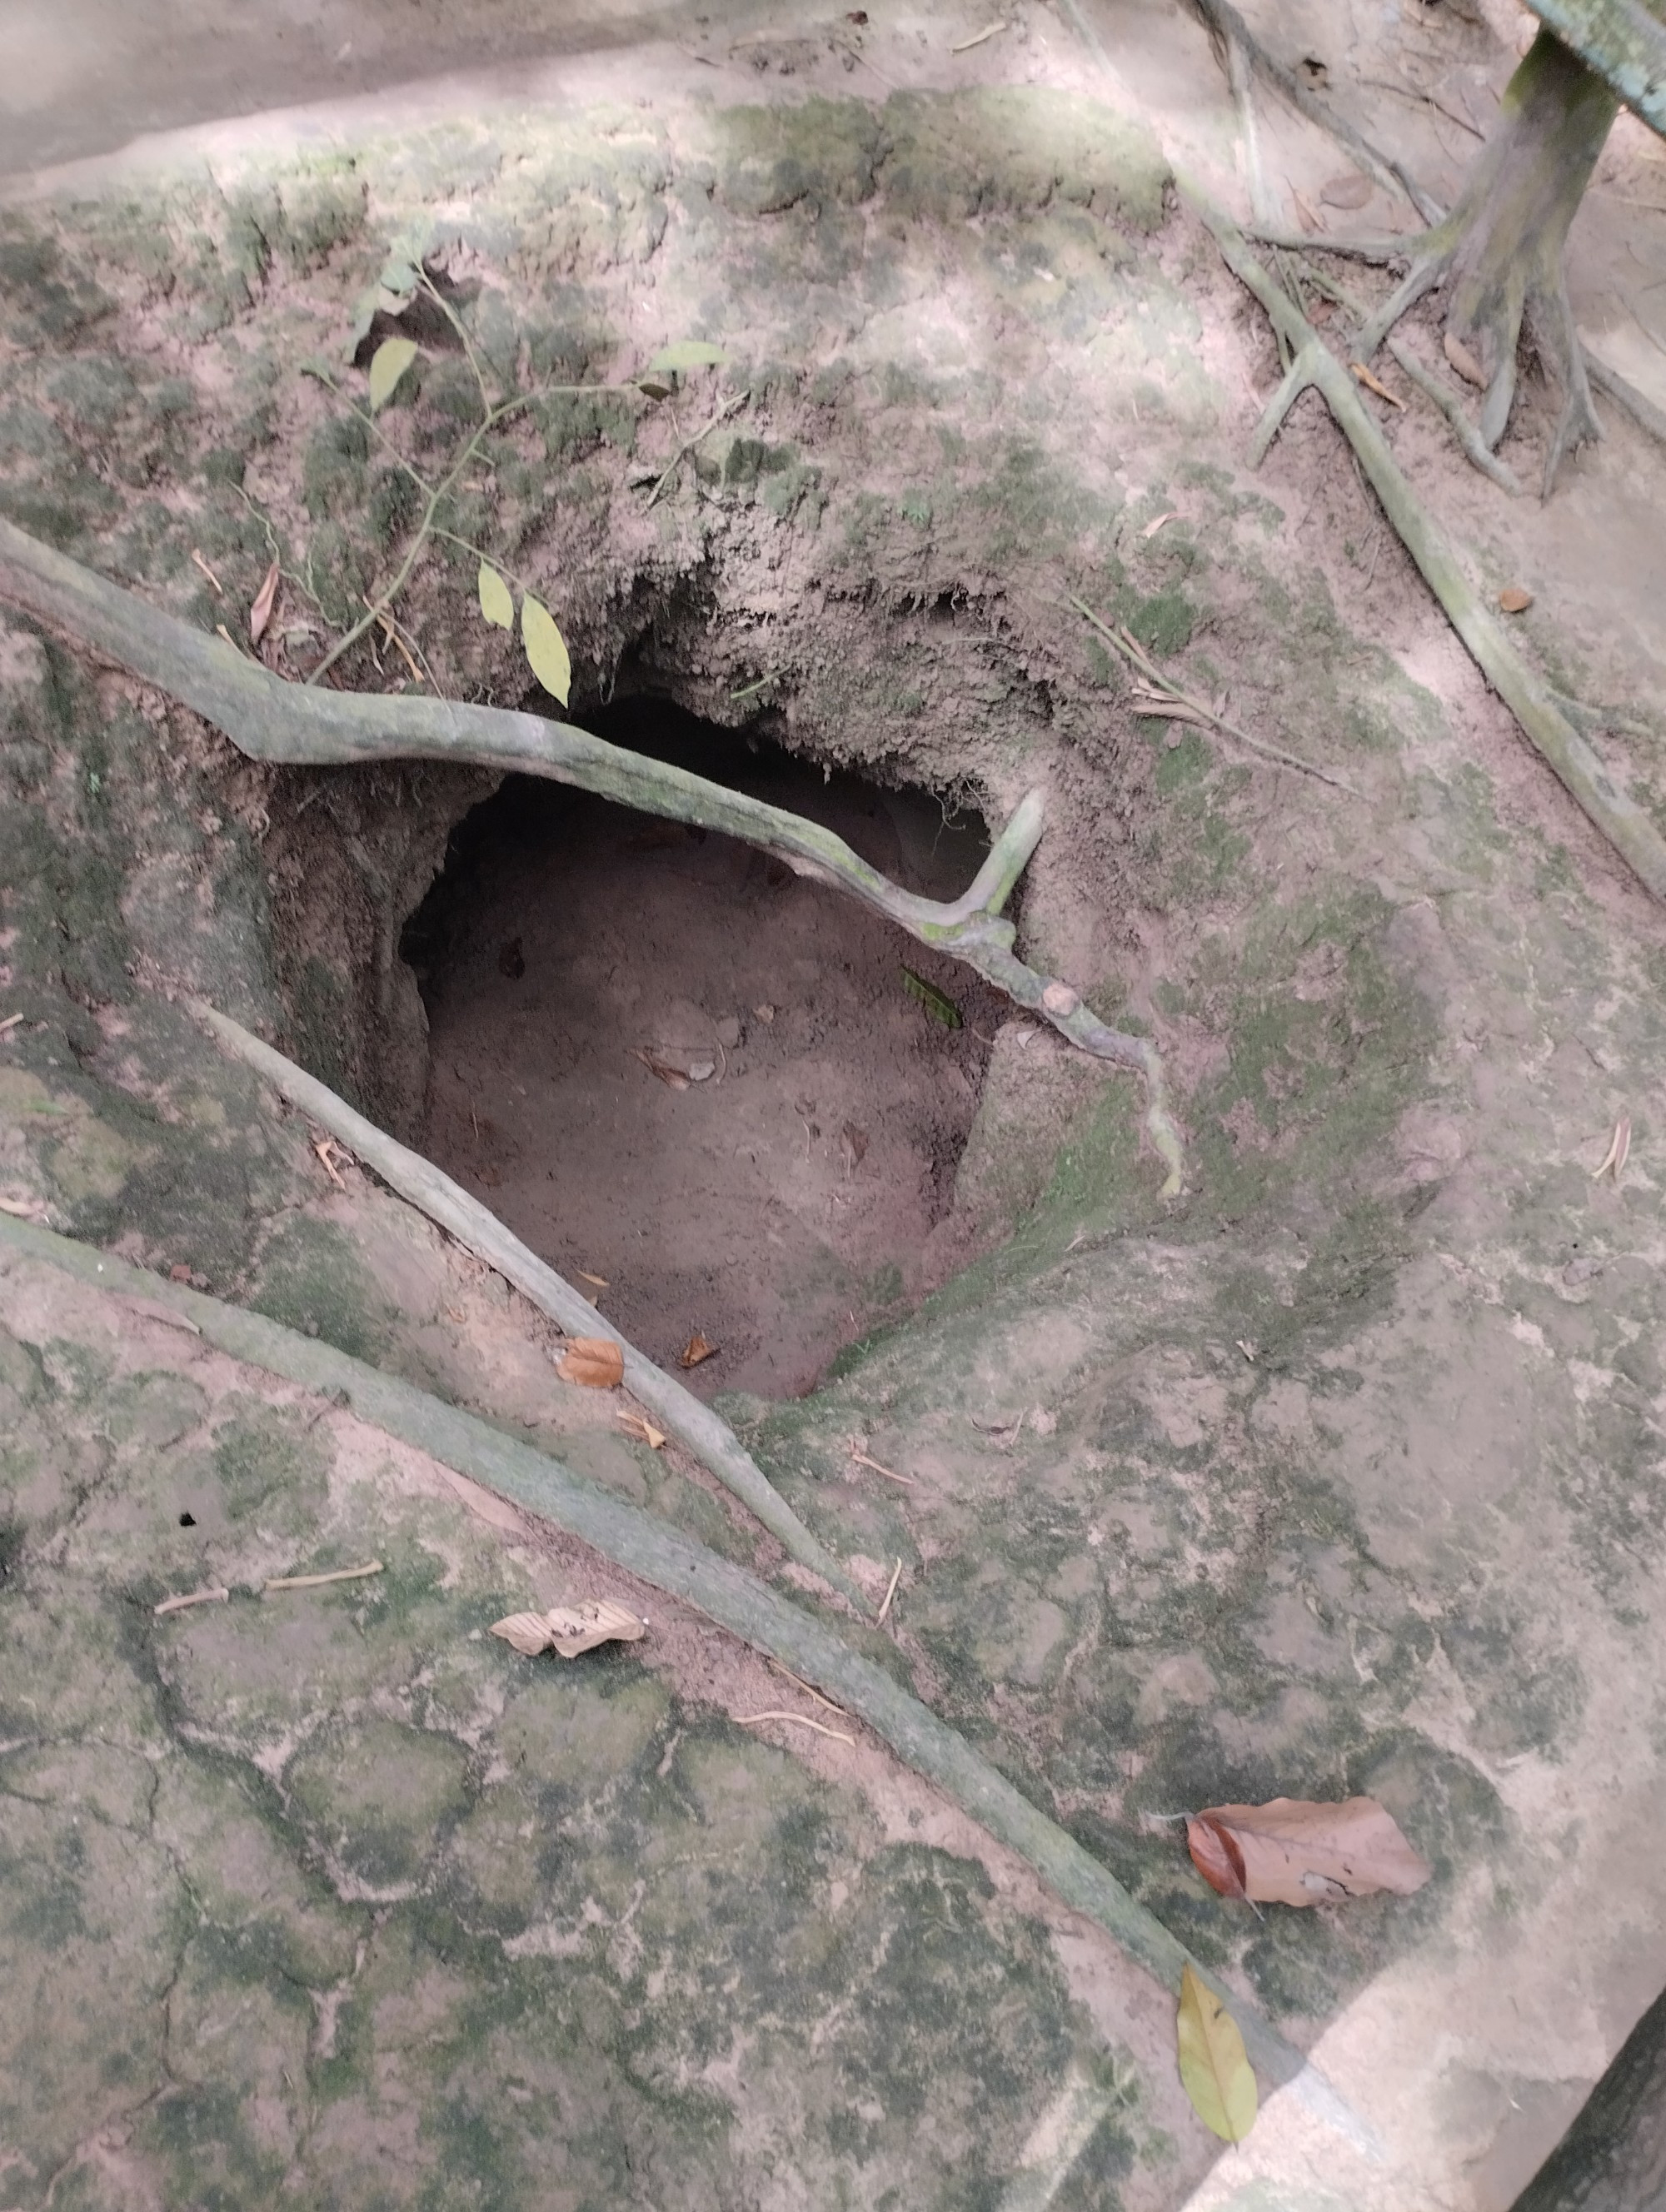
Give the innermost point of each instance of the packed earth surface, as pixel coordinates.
(1338, 1471)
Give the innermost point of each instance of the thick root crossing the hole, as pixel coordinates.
(1499, 254)
(270, 719)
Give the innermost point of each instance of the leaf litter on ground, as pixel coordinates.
(570, 1629)
(595, 1363)
(1294, 1851)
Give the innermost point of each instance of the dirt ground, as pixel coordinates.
(1340, 1471)
(778, 1204)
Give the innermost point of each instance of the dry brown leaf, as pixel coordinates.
(644, 1430)
(1291, 1851)
(1619, 1152)
(1462, 359)
(570, 1629)
(585, 1275)
(595, 1362)
(673, 1077)
(695, 1350)
(264, 600)
(529, 1632)
(1349, 189)
(214, 583)
(1363, 375)
(1172, 514)
(1514, 598)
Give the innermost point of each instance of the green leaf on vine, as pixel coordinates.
(687, 352)
(392, 358)
(495, 602)
(546, 649)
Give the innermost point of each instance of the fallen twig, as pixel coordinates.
(270, 719)
(1619, 818)
(728, 407)
(188, 1598)
(1167, 695)
(861, 1459)
(318, 1582)
(891, 1592)
(799, 1720)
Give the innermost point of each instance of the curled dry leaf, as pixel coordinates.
(679, 1065)
(1170, 515)
(570, 1629)
(1619, 1152)
(264, 600)
(1514, 598)
(595, 1362)
(1292, 1851)
(1361, 374)
(1215, 2067)
(695, 1350)
(1462, 359)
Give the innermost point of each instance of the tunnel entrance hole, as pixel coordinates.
(707, 1090)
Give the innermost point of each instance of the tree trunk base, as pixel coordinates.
(1500, 254)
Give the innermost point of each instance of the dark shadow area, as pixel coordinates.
(729, 1101)
(1612, 2159)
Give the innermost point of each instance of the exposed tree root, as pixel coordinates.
(1641, 408)
(1226, 25)
(1433, 389)
(1499, 253)
(1452, 406)
(272, 720)
(708, 1437)
(738, 1601)
(1622, 821)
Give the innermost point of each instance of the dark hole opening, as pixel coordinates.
(669, 1063)
(187, 1520)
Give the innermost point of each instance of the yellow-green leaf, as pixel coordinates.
(495, 603)
(687, 352)
(546, 649)
(392, 358)
(938, 1004)
(1216, 2073)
